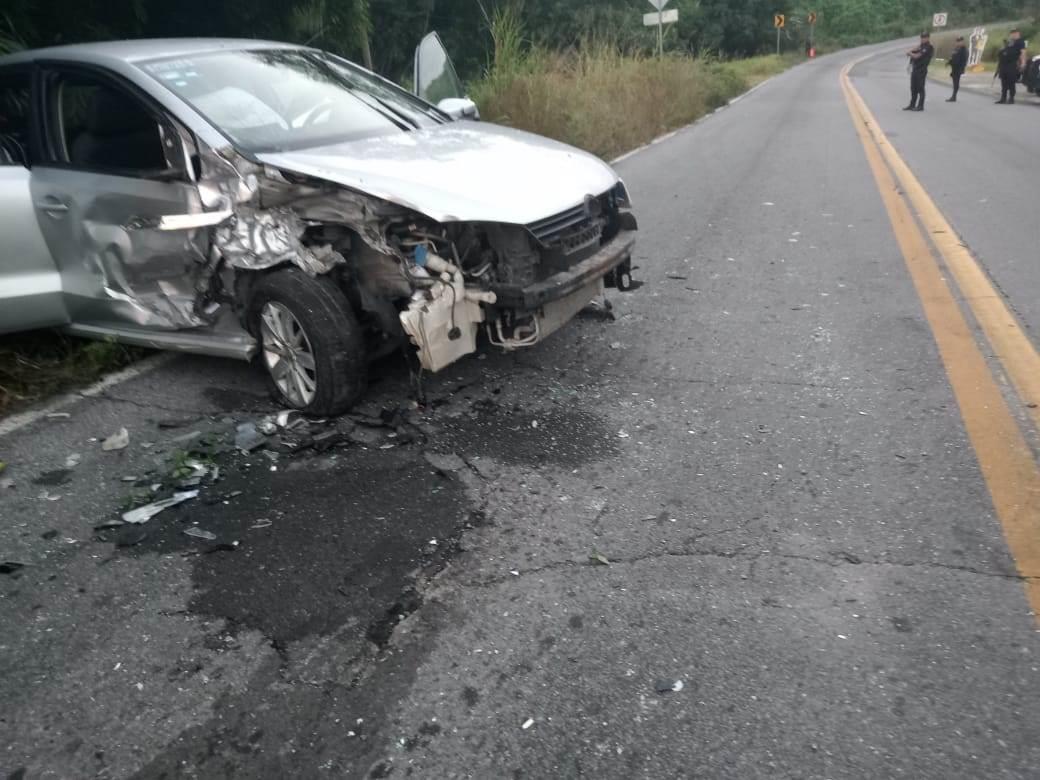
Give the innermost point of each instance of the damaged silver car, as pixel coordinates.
(273, 202)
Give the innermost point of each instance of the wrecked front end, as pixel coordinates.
(521, 283)
(409, 278)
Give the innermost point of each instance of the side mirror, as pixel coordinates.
(460, 108)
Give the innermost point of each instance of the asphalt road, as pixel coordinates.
(764, 444)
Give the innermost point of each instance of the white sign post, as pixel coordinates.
(939, 20)
(660, 18)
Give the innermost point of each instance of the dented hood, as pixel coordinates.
(460, 172)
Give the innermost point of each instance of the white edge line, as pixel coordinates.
(18, 421)
(673, 133)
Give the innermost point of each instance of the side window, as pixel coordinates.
(94, 124)
(14, 118)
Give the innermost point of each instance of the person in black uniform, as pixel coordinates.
(1007, 69)
(958, 64)
(920, 59)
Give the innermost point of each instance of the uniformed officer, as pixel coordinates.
(1008, 69)
(958, 64)
(920, 59)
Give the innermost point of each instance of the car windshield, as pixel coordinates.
(273, 100)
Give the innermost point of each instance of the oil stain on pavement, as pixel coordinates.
(298, 552)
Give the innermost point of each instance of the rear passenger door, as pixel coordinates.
(113, 164)
(30, 286)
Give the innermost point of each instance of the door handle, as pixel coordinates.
(53, 207)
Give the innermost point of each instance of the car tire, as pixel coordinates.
(311, 347)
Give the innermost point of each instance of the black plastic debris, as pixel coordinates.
(53, 478)
(171, 424)
(325, 441)
(221, 547)
(132, 535)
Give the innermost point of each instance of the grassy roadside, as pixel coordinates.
(598, 96)
(40, 363)
(609, 102)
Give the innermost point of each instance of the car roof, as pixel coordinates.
(131, 51)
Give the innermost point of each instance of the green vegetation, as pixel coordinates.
(608, 102)
(39, 363)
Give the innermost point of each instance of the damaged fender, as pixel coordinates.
(255, 239)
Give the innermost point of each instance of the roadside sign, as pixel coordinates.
(659, 20)
(779, 21)
(812, 17)
(655, 18)
(939, 20)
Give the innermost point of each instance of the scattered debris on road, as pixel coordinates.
(176, 423)
(201, 533)
(53, 478)
(598, 559)
(132, 535)
(668, 686)
(117, 441)
(143, 514)
(249, 438)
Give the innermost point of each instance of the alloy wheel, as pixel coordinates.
(288, 354)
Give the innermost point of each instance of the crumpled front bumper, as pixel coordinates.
(611, 255)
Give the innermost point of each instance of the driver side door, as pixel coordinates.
(114, 165)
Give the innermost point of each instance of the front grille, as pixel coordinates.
(548, 230)
(580, 237)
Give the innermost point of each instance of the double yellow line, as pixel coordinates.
(1008, 464)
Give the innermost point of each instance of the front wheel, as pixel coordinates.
(311, 346)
